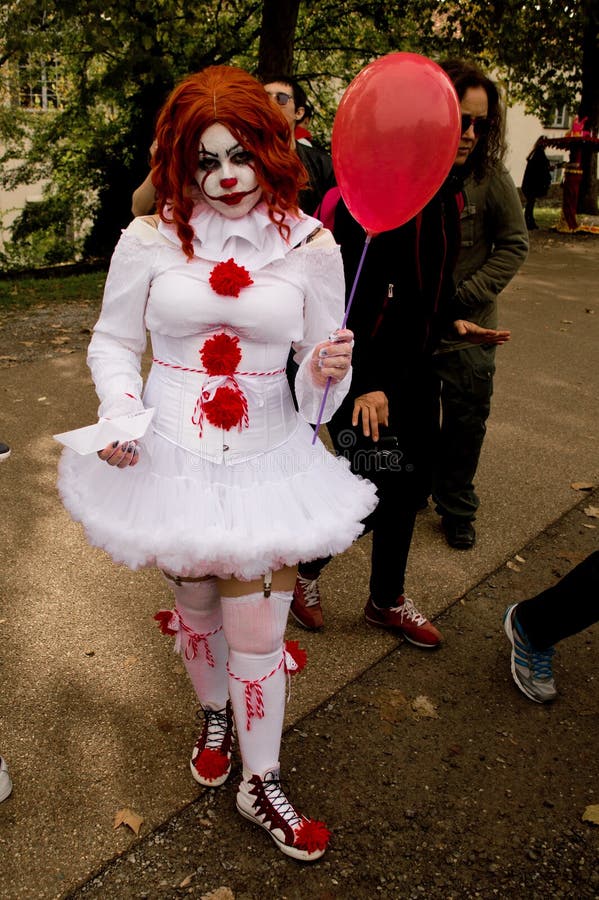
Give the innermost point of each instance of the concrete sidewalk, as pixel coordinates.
(96, 711)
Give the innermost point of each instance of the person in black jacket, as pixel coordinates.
(288, 93)
(535, 182)
(404, 301)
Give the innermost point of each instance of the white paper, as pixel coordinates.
(95, 437)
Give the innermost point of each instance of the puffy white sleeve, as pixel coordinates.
(119, 337)
(324, 308)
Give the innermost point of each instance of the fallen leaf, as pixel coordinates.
(582, 486)
(585, 525)
(519, 559)
(591, 814)
(394, 706)
(592, 512)
(512, 565)
(186, 881)
(424, 707)
(129, 818)
(567, 322)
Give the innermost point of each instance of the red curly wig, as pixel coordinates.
(238, 101)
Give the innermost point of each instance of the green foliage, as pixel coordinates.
(109, 65)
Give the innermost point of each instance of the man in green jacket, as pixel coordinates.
(494, 246)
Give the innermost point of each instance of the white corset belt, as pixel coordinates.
(225, 416)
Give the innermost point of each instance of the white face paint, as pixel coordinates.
(225, 173)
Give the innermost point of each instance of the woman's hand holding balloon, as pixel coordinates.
(332, 358)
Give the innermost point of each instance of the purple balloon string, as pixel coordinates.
(343, 324)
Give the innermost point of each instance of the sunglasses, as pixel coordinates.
(480, 123)
(281, 97)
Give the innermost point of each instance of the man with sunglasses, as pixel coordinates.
(291, 97)
(494, 245)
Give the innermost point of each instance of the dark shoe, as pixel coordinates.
(459, 533)
(406, 619)
(210, 761)
(305, 606)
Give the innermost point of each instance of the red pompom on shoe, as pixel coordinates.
(166, 619)
(221, 354)
(211, 764)
(295, 658)
(311, 835)
(227, 278)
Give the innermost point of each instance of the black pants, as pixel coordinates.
(564, 609)
(399, 465)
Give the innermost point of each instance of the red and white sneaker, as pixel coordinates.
(210, 761)
(407, 619)
(305, 606)
(261, 799)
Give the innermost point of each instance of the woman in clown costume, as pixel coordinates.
(227, 492)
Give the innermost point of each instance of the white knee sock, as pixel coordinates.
(200, 639)
(254, 626)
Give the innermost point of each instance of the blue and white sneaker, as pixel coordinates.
(531, 669)
(5, 782)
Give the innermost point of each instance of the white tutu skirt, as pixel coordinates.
(193, 517)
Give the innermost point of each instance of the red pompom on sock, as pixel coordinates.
(295, 658)
(166, 620)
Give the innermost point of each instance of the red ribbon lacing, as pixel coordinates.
(195, 641)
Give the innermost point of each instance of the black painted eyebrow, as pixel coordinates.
(229, 152)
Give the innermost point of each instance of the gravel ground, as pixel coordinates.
(437, 776)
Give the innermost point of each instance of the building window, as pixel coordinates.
(561, 118)
(37, 88)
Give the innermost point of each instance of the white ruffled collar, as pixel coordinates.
(253, 241)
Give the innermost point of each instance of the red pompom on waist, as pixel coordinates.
(220, 354)
(227, 408)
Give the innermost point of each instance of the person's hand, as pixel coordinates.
(120, 455)
(373, 410)
(474, 334)
(332, 358)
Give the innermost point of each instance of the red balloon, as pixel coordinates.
(394, 139)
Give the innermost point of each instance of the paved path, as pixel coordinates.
(96, 711)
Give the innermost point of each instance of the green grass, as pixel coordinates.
(547, 216)
(21, 293)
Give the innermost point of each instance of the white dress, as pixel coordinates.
(228, 482)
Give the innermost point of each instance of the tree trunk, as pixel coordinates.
(589, 104)
(277, 36)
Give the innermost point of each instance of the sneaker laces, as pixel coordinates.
(216, 727)
(539, 662)
(275, 795)
(408, 611)
(310, 591)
